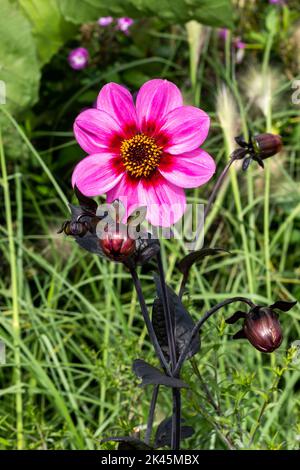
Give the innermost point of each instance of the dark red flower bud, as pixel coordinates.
(266, 145)
(117, 246)
(262, 329)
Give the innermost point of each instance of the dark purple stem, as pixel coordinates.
(170, 329)
(217, 186)
(199, 324)
(151, 414)
(148, 322)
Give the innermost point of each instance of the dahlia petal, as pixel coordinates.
(117, 101)
(126, 192)
(96, 130)
(96, 174)
(165, 202)
(186, 128)
(188, 170)
(155, 99)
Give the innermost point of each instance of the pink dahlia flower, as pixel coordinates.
(143, 154)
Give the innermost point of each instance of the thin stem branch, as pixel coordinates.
(262, 411)
(151, 414)
(148, 322)
(207, 392)
(224, 437)
(199, 324)
(217, 187)
(183, 283)
(167, 313)
(176, 419)
(170, 329)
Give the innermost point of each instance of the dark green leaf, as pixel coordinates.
(128, 443)
(152, 375)
(159, 325)
(184, 323)
(186, 263)
(90, 242)
(283, 305)
(235, 317)
(87, 203)
(164, 433)
(239, 335)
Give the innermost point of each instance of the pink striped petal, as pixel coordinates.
(96, 130)
(117, 101)
(126, 191)
(165, 202)
(97, 174)
(188, 170)
(155, 99)
(186, 128)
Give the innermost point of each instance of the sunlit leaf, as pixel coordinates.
(49, 28)
(215, 13)
(19, 67)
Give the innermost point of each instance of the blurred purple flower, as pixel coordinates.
(105, 20)
(223, 33)
(124, 24)
(276, 2)
(78, 58)
(239, 44)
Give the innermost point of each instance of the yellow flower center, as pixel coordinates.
(140, 155)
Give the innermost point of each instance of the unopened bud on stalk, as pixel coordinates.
(117, 246)
(263, 330)
(259, 147)
(267, 145)
(261, 325)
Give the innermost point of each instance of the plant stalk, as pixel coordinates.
(176, 419)
(170, 329)
(199, 324)
(148, 322)
(151, 414)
